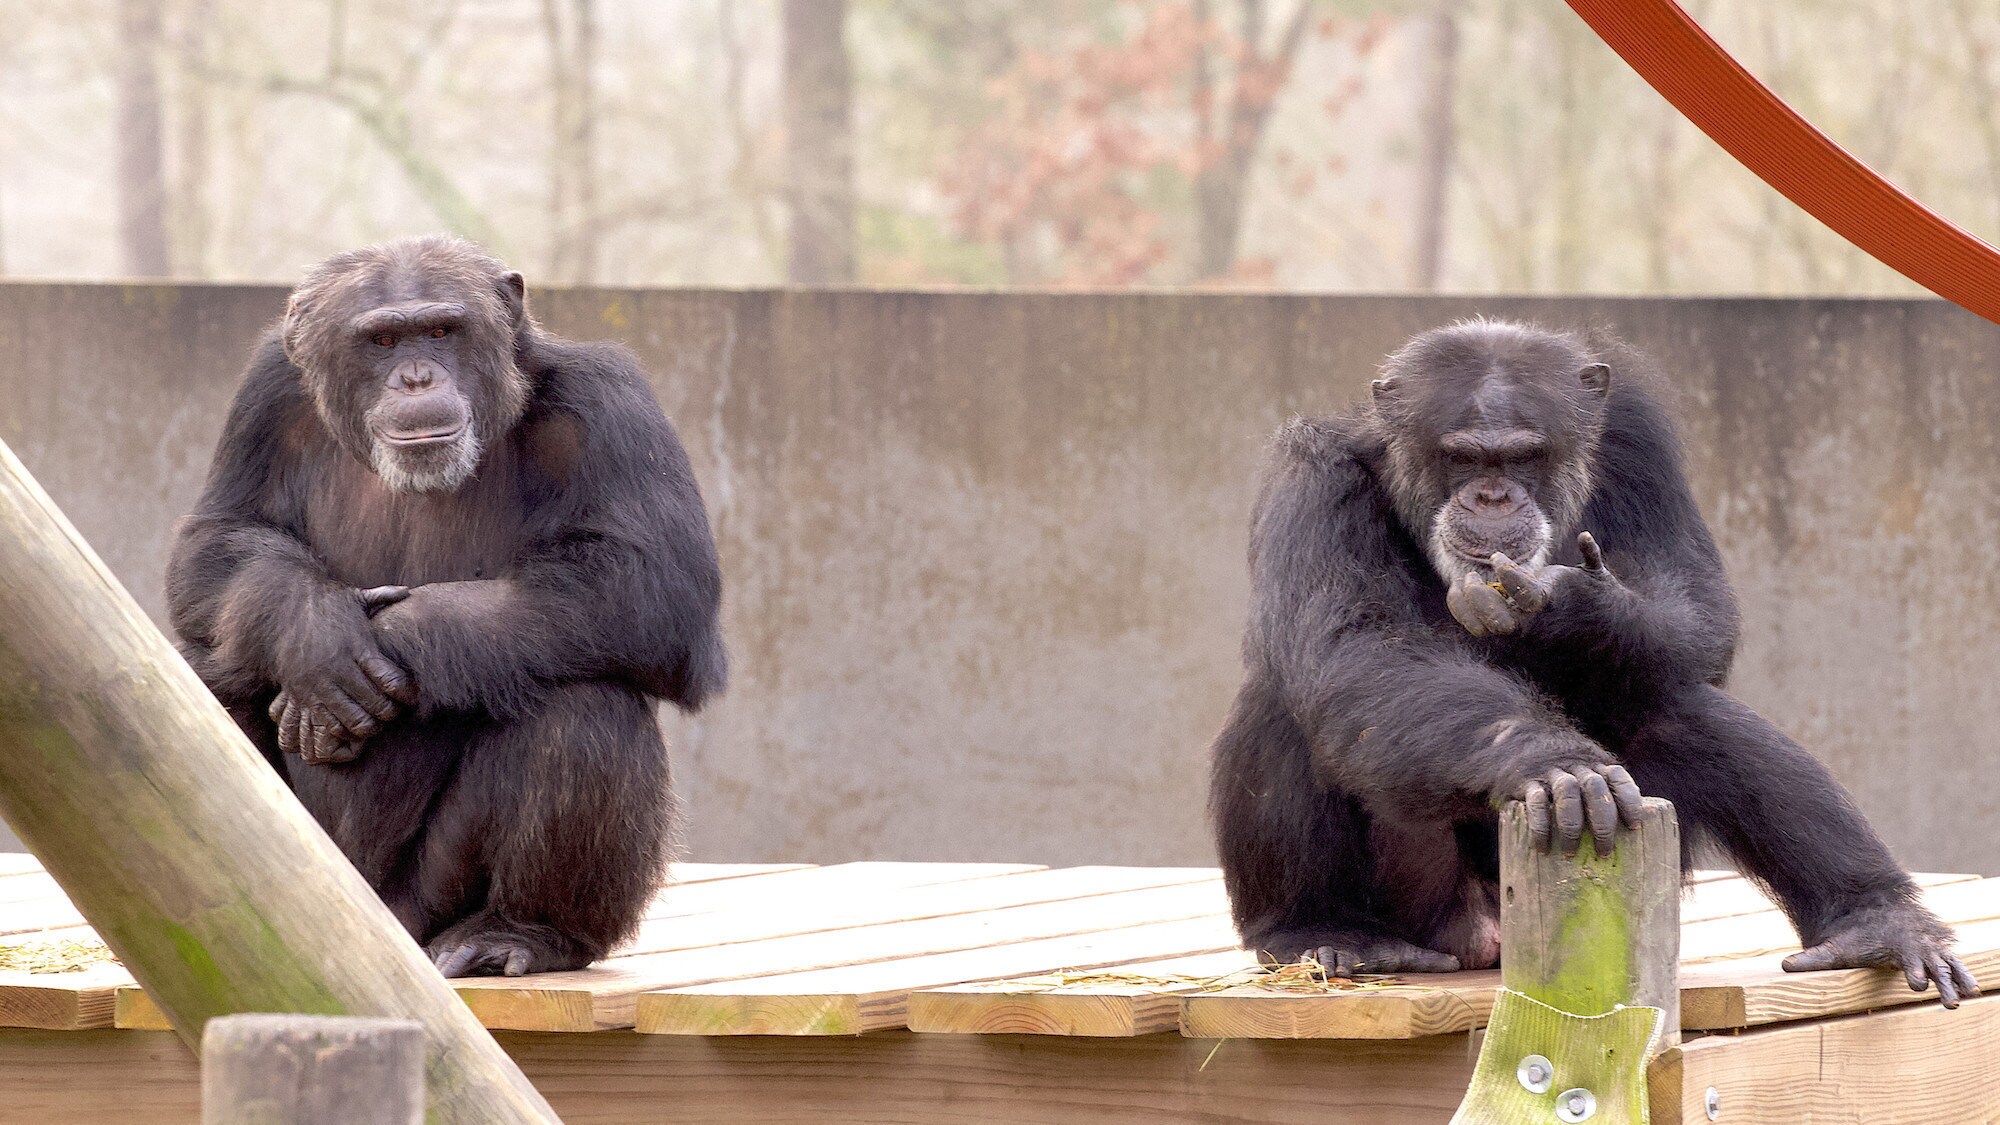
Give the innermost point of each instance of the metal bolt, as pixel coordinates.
(1536, 1073)
(1712, 1102)
(1575, 1105)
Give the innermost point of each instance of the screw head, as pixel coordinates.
(1712, 1103)
(1575, 1105)
(1536, 1073)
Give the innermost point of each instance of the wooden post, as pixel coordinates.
(1586, 934)
(312, 1070)
(179, 842)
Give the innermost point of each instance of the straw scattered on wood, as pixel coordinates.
(63, 956)
(1305, 977)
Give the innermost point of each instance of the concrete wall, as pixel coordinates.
(984, 552)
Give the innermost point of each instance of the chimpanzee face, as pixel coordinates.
(1490, 428)
(408, 353)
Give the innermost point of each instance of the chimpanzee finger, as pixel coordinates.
(1631, 802)
(1461, 610)
(1914, 970)
(291, 731)
(1593, 556)
(1523, 588)
(1569, 810)
(517, 963)
(345, 715)
(1601, 811)
(1538, 816)
(381, 597)
(1940, 975)
(1491, 609)
(1428, 961)
(390, 678)
(453, 962)
(1962, 977)
(277, 708)
(1825, 955)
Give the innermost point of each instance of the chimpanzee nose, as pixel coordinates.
(415, 378)
(1494, 494)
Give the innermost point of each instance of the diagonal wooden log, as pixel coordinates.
(178, 841)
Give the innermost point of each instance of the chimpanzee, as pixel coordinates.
(1489, 584)
(444, 566)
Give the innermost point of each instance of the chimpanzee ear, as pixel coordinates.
(514, 293)
(296, 307)
(1597, 377)
(1385, 389)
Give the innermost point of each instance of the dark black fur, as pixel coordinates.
(516, 817)
(1356, 781)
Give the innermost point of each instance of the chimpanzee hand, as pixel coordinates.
(1900, 935)
(341, 688)
(1587, 790)
(1517, 592)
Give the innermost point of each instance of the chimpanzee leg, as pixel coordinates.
(1297, 855)
(554, 835)
(1740, 781)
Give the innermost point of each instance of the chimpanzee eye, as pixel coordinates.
(385, 340)
(440, 333)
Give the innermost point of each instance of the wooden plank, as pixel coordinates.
(1735, 896)
(1454, 1002)
(757, 904)
(1100, 1008)
(894, 1078)
(877, 997)
(1917, 1065)
(19, 863)
(1746, 993)
(62, 1001)
(606, 996)
(681, 874)
(270, 1069)
(1756, 935)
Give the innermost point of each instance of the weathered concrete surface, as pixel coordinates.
(985, 552)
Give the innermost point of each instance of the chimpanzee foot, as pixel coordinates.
(1900, 935)
(486, 946)
(1346, 953)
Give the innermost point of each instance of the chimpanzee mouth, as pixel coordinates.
(420, 440)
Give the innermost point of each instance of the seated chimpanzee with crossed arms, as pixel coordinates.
(1492, 584)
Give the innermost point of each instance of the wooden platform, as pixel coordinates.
(1002, 993)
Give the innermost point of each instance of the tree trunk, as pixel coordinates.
(573, 215)
(819, 142)
(176, 839)
(142, 194)
(189, 207)
(1222, 187)
(1439, 122)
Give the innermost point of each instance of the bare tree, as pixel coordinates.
(142, 194)
(1439, 142)
(188, 205)
(819, 142)
(1222, 184)
(575, 224)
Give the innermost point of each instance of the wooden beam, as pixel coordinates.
(1585, 934)
(1917, 1065)
(213, 885)
(1108, 1007)
(312, 1070)
(1753, 991)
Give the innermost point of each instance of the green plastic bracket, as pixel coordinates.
(1543, 1065)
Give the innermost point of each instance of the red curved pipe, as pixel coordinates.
(1710, 88)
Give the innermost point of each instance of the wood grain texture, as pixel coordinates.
(312, 1070)
(1918, 1065)
(1585, 934)
(1421, 1007)
(178, 840)
(893, 1078)
(879, 997)
(1098, 1008)
(61, 1001)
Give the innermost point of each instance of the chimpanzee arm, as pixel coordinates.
(1398, 713)
(623, 583)
(252, 606)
